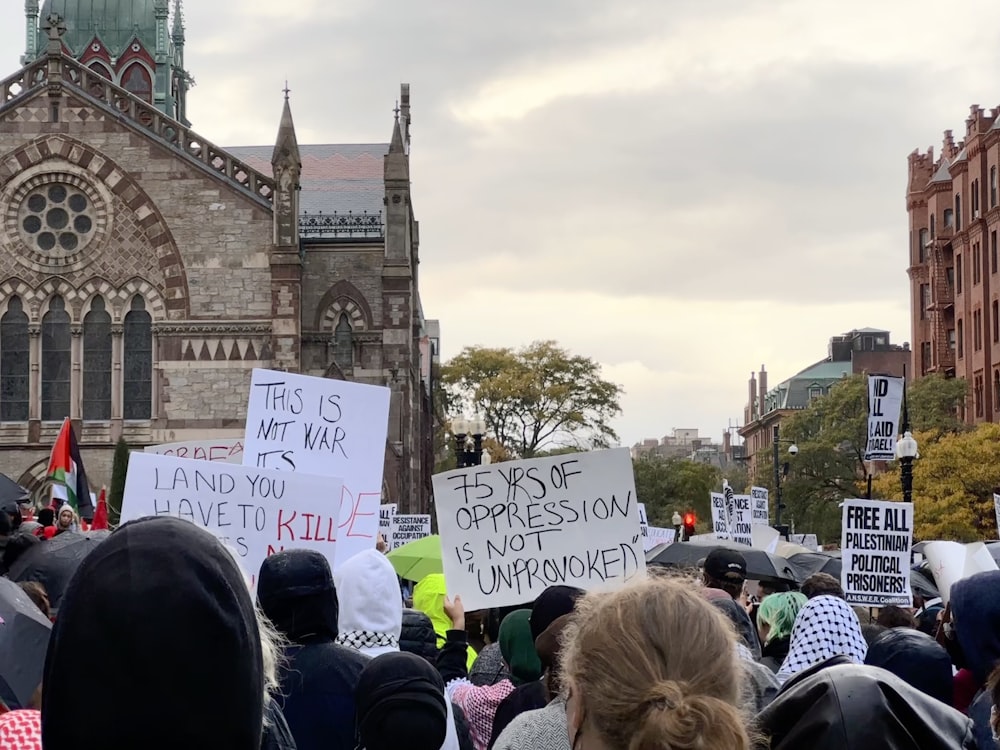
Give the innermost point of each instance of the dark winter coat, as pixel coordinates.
(915, 658)
(418, 636)
(774, 652)
(975, 605)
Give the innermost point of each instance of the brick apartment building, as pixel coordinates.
(954, 212)
(144, 271)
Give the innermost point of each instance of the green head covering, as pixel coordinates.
(518, 647)
(778, 612)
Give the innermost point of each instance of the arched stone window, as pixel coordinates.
(135, 79)
(15, 363)
(101, 69)
(97, 362)
(343, 343)
(137, 365)
(57, 359)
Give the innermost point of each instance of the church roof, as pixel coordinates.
(335, 177)
(116, 22)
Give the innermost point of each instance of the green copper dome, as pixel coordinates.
(114, 22)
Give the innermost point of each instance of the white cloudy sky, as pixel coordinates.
(680, 189)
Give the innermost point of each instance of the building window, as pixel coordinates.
(977, 330)
(996, 321)
(923, 239)
(949, 277)
(136, 80)
(977, 264)
(993, 186)
(977, 393)
(101, 69)
(925, 300)
(137, 365)
(975, 199)
(951, 337)
(343, 343)
(960, 334)
(932, 226)
(949, 218)
(97, 362)
(958, 273)
(57, 359)
(15, 363)
(993, 251)
(958, 212)
(815, 391)
(925, 357)
(996, 390)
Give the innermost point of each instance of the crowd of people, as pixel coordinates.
(160, 642)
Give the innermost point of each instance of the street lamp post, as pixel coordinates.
(469, 442)
(792, 449)
(906, 451)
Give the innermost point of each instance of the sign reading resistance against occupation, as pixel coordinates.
(255, 511)
(328, 427)
(885, 396)
(875, 543)
(511, 530)
(407, 529)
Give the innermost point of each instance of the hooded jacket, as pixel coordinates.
(824, 628)
(401, 703)
(158, 613)
(428, 597)
(418, 636)
(371, 604)
(318, 681)
(853, 706)
(975, 608)
(916, 659)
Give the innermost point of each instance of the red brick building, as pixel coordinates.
(954, 211)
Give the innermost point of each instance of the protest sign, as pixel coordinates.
(385, 514)
(511, 530)
(409, 528)
(885, 395)
(953, 561)
(996, 510)
(226, 450)
(732, 515)
(255, 511)
(657, 536)
(875, 544)
(760, 512)
(327, 427)
(643, 523)
(720, 525)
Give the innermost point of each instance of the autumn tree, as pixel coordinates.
(666, 485)
(119, 472)
(536, 398)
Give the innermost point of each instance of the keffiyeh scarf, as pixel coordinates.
(362, 639)
(824, 628)
(21, 730)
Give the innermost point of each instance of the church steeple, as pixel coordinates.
(287, 165)
(31, 31)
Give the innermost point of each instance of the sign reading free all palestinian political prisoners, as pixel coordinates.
(875, 550)
(885, 395)
(511, 530)
(255, 511)
(328, 427)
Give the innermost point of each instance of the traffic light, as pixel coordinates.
(689, 521)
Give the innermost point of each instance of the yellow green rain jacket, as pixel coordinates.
(428, 597)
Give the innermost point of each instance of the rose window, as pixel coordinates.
(57, 219)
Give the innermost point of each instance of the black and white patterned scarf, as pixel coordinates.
(825, 627)
(360, 640)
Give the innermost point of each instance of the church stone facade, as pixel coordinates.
(145, 271)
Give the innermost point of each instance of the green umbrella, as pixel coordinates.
(418, 559)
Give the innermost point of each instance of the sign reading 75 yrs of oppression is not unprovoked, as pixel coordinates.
(513, 529)
(875, 552)
(255, 511)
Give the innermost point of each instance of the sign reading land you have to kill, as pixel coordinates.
(875, 544)
(255, 511)
(329, 427)
(511, 530)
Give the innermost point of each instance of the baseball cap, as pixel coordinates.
(726, 565)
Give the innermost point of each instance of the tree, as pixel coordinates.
(119, 469)
(953, 484)
(666, 485)
(536, 398)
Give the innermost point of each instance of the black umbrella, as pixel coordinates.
(11, 494)
(806, 564)
(53, 563)
(24, 638)
(761, 565)
(922, 583)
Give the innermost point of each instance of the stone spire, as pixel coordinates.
(31, 31)
(287, 165)
(397, 197)
(177, 30)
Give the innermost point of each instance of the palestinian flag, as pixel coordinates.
(67, 474)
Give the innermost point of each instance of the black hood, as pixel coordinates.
(157, 626)
(915, 658)
(401, 703)
(295, 590)
(975, 607)
(854, 706)
(418, 636)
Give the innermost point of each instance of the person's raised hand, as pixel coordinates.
(456, 611)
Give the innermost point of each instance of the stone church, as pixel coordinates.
(144, 271)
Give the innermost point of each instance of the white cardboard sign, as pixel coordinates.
(658, 536)
(328, 427)
(952, 561)
(876, 540)
(256, 511)
(407, 529)
(511, 530)
(385, 514)
(225, 450)
(885, 396)
(761, 513)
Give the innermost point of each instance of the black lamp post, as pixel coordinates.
(469, 442)
(906, 451)
(792, 449)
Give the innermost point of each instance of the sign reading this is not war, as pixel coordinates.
(875, 552)
(511, 530)
(885, 397)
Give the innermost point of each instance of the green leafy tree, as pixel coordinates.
(119, 469)
(666, 485)
(536, 398)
